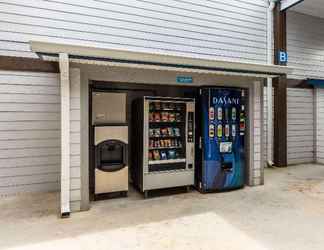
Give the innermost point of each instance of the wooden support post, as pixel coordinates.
(280, 94)
(280, 122)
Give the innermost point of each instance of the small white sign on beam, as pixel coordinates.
(286, 4)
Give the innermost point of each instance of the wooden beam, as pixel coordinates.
(280, 33)
(280, 122)
(27, 64)
(65, 134)
(280, 93)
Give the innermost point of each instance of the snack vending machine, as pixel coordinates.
(223, 125)
(164, 132)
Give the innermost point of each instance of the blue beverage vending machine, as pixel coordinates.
(221, 153)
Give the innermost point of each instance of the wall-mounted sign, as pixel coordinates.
(184, 79)
(283, 57)
(286, 4)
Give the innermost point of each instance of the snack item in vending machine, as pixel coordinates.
(178, 117)
(171, 154)
(150, 156)
(157, 132)
(165, 116)
(176, 132)
(165, 106)
(162, 145)
(163, 155)
(168, 143)
(157, 105)
(151, 132)
(170, 132)
(164, 131)
(172, 117)
(151, 107)
(156, 155)
(157, 144)
(157, 117)
(151, 143)
(171, 106)
(151, 117)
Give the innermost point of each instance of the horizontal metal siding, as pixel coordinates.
(232, 30)
(305, 45)
(300, 115)
(29, 132)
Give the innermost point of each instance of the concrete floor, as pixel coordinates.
(286, 213)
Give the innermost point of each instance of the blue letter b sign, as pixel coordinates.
(283, 57)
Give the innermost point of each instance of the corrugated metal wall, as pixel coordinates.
(231, 29)
(305, 45)
(30, 150)
(301, 125)
(29, 132)
(300, 103)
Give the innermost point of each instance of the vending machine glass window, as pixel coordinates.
(167, 143)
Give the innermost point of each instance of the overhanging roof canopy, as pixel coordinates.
(125, 58)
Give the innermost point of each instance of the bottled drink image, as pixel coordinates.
(211, 113)
(226, 114)
(227, 132)
(220, 114)
(233, 113)
(233, 130)
(211, 131)
(219, 131)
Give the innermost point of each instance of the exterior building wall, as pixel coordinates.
(29, 132)
(305, 50)
(231, 30)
